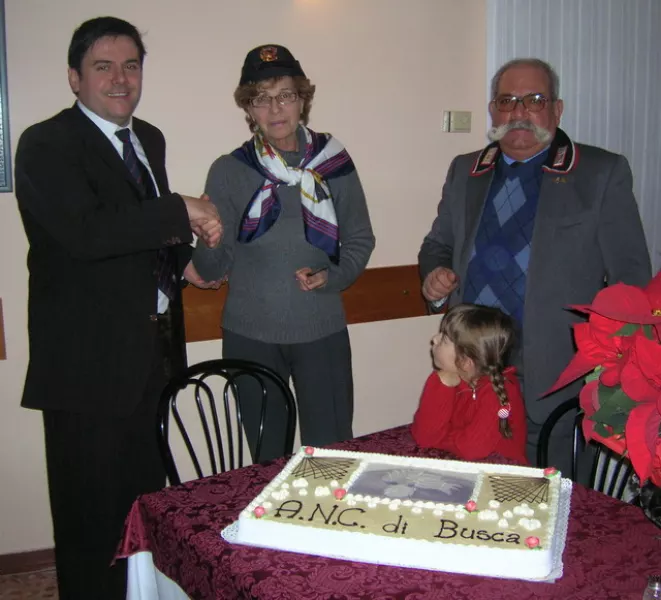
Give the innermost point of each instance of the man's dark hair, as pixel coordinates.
(93, 30)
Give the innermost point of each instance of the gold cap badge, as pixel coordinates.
(268, 54)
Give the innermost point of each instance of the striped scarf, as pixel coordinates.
(324, 159)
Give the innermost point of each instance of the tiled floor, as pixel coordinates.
(40, 585)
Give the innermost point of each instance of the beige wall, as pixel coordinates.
(385, 70)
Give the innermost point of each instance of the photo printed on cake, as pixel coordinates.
(386, 481)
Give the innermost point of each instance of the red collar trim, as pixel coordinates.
(562, 157)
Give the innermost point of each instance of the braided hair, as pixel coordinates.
(495, 373)
(485, 335)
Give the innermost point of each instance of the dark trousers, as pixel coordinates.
(323, 385)
(97, 465)
(561, 440)
(560, 444)
(560, 453)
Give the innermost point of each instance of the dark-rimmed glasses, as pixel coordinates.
(531, 102)
(264, 100)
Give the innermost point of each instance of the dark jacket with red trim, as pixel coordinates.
(587, 231)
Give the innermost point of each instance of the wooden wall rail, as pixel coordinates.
(378, 295)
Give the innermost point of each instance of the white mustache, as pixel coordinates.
(543, 135)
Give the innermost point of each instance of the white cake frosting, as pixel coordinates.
(496, 520)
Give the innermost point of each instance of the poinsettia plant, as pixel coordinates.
(619, 352)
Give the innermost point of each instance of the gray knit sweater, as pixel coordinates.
(264, 301)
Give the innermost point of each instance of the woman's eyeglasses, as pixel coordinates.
(265, 101)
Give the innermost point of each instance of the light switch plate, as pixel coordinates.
(457, 121)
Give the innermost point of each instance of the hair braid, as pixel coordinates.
(495, 373)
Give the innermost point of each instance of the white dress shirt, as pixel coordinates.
(109, 129)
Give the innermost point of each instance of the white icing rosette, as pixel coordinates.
(487, 515)
(530, 524)
(280, 494)
(524, 510)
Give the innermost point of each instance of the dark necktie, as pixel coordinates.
(166, 272)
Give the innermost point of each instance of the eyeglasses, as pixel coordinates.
(283, 98)
(531, 102)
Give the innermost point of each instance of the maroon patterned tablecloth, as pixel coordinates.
(611, 547)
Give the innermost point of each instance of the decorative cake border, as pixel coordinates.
(230, 535)
(555, 528)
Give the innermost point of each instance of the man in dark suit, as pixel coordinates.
(533, 223)
(108, 245)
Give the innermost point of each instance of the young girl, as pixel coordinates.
(472, 405)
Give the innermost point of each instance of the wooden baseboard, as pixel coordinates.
(25, 562)
(378, 294)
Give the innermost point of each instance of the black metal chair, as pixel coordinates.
(609, 473)
(224, 446)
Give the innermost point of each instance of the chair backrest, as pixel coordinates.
(213, 388)
(610, 473)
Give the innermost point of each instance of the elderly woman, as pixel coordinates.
(296, 233)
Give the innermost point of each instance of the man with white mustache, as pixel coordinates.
(532, 223)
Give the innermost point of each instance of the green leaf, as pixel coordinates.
(601, 430)
(649, 332)
(614, 408)
(618, 421)
(623, 401)
(594, 375)
(606, 393)
(616, 399)
(627, 330)
(605, 415)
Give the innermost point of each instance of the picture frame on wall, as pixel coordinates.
(5, 147)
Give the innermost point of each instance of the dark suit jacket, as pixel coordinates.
(92, 262)
(587, 231)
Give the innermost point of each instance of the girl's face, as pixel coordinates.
(444, 354)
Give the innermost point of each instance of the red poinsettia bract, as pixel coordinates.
(641, 375)
(628, 303)
(598, 346)
(622, 404)
(642, 435)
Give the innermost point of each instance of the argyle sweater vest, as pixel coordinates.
(498, 266)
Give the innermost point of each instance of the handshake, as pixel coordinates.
(204, 219)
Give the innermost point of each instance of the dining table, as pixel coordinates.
(175, 549)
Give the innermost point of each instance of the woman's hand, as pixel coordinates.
(192, 276)
(310, 279)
